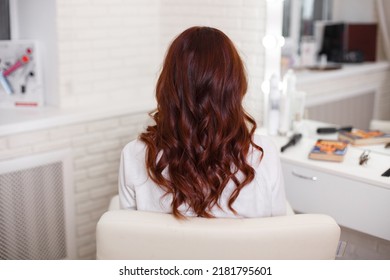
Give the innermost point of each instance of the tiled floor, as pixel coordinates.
(361, 246)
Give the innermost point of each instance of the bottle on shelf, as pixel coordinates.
(273, 106)
(286, 102)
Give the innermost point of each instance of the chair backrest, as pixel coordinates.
(125, 234)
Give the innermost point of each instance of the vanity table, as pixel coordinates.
(356, 196)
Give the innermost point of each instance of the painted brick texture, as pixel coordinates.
(242, 20)
(113, 50)
(95, 148)
(107, 50)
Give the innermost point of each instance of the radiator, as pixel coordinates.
(36, 208)
(354, 109)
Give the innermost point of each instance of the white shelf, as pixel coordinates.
(19, 120)
(307, 76)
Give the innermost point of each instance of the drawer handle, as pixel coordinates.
(313, 178)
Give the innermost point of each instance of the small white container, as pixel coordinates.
(273, 106)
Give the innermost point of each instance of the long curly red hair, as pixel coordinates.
(202, 134)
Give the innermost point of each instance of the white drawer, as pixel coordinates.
(353, 204)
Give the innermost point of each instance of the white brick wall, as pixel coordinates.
(107, 50)
(96, 148)
(114, 49)
(242, 20)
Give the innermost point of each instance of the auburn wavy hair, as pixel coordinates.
(202, 134)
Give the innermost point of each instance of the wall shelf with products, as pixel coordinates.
(32, 26)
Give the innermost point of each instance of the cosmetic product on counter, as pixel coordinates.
(298, 109)
(308, 51)
(285, 122)
(21, 74)
(5, 84)
(292, 141)
(273, 106)
(19, 63)
(328, 130)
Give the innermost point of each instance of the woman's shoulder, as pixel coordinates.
(135, 145)
(133, 162)
(134, 151)
(265, 142)
(269, 154)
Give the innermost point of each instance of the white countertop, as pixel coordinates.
(370, 173)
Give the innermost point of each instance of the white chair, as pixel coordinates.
(124, 234)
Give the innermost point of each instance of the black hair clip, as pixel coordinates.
(364, 157)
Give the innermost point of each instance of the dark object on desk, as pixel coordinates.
(349, 43)
(387, 173)
(387, 145)
(293, 140)
(330, 150)
(364, 157)
(327, 130)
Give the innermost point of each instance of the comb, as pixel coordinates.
(387, 173)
